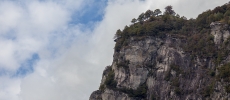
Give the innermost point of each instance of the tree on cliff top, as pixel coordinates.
(157, 12)
(169, 10)
(148, 14)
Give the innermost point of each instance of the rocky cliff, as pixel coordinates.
(154, 68)
(170, 68)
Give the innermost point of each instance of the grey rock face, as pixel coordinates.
(114, 95)
(96, 95)
(138, 54)
(220, 32)
(166, 69)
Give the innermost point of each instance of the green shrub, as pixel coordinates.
(124, 64)
(160, 59)
(140, 92)
(208, 90)
(224, 72)
(177, 91)
(177, 69)
(102, 87)
(149, 65)
(167, 75)
(153, 98)
(110, 82)
(201, 44)
(227, 88)
(175, 82)
(212, 73)
(119, 44)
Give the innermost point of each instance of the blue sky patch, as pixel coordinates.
(92, 12)
(3, 72)
(27, 67)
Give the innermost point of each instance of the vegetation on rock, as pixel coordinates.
(152, 24)
(110, 82)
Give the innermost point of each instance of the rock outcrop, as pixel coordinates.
(151, 68)
(220, 32)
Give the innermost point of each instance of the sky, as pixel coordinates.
(58, 49)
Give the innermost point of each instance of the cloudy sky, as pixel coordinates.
(57, 49)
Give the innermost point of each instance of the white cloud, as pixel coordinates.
(72, 56)
(9, 88)
(10, 15)
(47, 16)
(7, 54)
(191, 8)
(28, 28)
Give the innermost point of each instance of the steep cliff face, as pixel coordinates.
(151, 68)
